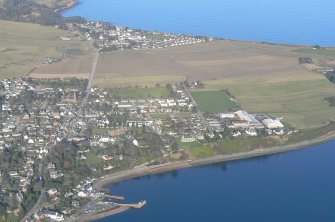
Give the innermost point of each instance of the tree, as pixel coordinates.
(175, 147)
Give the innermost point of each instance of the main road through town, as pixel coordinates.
(39, 203)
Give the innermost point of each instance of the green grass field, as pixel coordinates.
(24, 46)
(298, 98)
(198, 150)
(317, 52)
(157, 92)
(92, 159)
(214, 101)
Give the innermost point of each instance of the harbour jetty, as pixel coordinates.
(136, 206)
(113, 197)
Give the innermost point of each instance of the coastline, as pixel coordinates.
(71, 4)
(145, 170)
(136, 172)
(92, 217)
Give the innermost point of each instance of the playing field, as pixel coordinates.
(214, 101)
(298, 98)
(23, 47)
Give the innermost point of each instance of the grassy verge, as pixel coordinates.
(111, 81)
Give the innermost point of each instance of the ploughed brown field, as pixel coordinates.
(78, 66)
(207, 61)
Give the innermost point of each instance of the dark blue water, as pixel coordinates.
(295, 186)
(280, 21)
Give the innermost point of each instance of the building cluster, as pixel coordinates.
(107, 131)
(115, 38)
(251, 124)
(32, 122)
(83, 190)
(181, 121)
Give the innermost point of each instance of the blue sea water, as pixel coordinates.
(298, 186)
(295, 186)
(280, 21)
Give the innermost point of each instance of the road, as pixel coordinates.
(201, 116)
(92, 74)
(39, 203)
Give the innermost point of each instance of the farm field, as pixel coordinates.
(214, 101)
(317, 52)
(157, 92)
(298, 98)
(23, 47)
(206, 61)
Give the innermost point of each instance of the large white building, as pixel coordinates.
(245, 120)
(272, 124)
(55, 216)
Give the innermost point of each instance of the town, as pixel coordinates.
(56, 138)
(108, 38)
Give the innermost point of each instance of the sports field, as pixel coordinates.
(214, 101)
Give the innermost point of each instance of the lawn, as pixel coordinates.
(156, 92)
(24, 46)
(298, 98)
(214, 101)
(318, 52)
(92, 158)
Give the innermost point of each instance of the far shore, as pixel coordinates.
(70, 4)
(107, 180)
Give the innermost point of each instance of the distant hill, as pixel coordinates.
(44, 12)
(57, 5)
